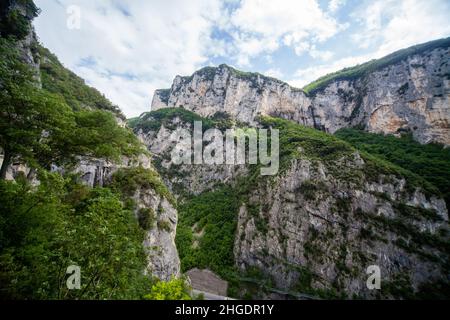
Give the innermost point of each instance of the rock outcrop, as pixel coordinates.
(315, 232)
(159, 242)
(408, 94)
(184, 179)
(317, 226)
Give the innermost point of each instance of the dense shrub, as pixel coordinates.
(128, 180)
(45, 229)
(175, 289)
(215, 215)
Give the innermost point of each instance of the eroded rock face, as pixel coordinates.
(159, 242)
(313, 230)
(319, 225)
(185, 179)
(242, 96)
(410, 95)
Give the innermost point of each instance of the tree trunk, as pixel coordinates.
(5, 164)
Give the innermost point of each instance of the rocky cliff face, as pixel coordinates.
(314, 232)
(317, 226)
(184, 179)
(241, 95)
(159, 242)
(411, 94)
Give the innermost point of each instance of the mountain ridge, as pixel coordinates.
(311, 87)
(329, 212)
(407, 90)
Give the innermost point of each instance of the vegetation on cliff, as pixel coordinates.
(364, 69)
(45, 229)
(38, 128)
(207, 223)
(430, 161)
(50, 220)
(15, 16)
(73, 89)
(152, 121)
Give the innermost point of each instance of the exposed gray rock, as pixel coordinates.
(410, 95)
(331, 235)
(324, 221)
(185, 179)
(159, 243)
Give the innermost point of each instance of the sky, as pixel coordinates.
(129, 48)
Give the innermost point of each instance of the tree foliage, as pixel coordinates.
(45, 229)
(213, 215)
(175, 289)
(58, 222)
(128, 180)
(430, 161)
(38, 127)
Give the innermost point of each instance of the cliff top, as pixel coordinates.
(350, 73)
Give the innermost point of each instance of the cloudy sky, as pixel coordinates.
(129, 48)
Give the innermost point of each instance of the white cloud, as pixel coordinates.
(322, 55)
(262, 26)
(305, 76)
(394, 24)
(387, 26)
(305, 47)
(138, 45)
(334, 5)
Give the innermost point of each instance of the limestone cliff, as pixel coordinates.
(406, 91)
(314, 228)
(316, 231)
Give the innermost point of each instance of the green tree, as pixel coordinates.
(175, 289)
(45, 229)
(25, 111)
(38, 128)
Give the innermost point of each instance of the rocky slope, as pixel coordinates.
(182, 179)
(406, 91)
(159, 240)
(315, 227)
(315, 230)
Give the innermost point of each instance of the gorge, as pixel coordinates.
(363, 179)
